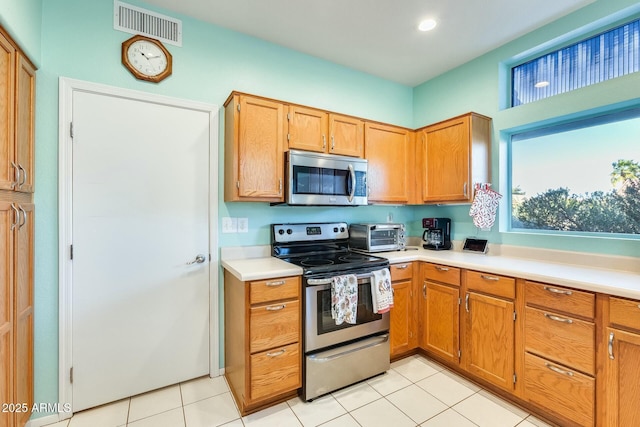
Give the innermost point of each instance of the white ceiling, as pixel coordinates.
(380, 37)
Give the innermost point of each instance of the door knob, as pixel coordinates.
(199, 260)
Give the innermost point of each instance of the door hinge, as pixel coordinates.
(515, 378)
(288, 137)
(71, 252)
(238, 184)
(459, 301)
(288, 116)
(514, 316)
(238, 107)
(71, 375)
(71, 130)
(459, 354)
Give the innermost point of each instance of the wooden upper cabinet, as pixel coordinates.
(25, 120)
(454, 154)
(308, 129)
(388, 150)
(316, 130)
(346, 135)
(8, 173)
(254, 149)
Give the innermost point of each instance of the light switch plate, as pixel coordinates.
(243, 225)
(229, 225)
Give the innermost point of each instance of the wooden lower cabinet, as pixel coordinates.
(16, 309)
(440, 311)
(620, 359)
(263, 354)
(559, 389)
(402, 328)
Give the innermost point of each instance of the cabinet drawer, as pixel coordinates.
(274, 325)
(562, 299)
(274, 289)
(568, 393)
(401, 271)
(275, 371)
(624, 312)
(561, 338)
(442, 273)
(494, 284)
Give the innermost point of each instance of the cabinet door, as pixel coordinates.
(308, 129)
(23, 310)
(8, 174)
(346, 136)
(25, 119)
(254, 157)
(440, 320)
(622, 378)
(7, 219)
(446, 160)
(390, 163)
(401, 325)
(489, 339)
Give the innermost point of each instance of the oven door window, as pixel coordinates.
(365, 310)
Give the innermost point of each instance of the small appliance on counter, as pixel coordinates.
(377, 237)
(437, 233)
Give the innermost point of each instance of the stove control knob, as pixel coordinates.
(281, 232)
(289, 231)
(335, 229)
(342, 229)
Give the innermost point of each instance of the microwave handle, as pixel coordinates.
(352, 190)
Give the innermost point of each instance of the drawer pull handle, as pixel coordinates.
(492, 278)
(557, 291)
(276, 353)
(275, 307)
(611, 336)
(466, 302)
(441, 268)
(401, 267)
(558, 370)
(558, 318)
(276, 283)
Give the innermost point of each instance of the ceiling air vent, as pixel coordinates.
(135, 20)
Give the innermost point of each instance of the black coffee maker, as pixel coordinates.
(437, 233)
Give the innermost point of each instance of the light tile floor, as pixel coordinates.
(414, 392)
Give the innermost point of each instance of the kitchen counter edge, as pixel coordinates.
(612, 282)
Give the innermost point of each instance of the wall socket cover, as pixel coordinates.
(229, 225)
(243, 225)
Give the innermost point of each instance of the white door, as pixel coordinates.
(140, 220)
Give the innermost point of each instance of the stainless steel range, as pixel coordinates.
(336, 355)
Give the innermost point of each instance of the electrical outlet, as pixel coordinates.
(243, 225)
(229, 225)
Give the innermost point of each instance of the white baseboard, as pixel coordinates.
(43, 421)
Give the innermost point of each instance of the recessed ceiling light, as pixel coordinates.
(541, 84)
(427, 25)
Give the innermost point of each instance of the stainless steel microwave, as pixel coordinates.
(316, 179)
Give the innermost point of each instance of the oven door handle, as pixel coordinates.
(382, 339)
(329, 280)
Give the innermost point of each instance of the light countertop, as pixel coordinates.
(608, 281)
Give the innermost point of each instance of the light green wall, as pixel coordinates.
(480, 86)
(77, 40)
(22, 18)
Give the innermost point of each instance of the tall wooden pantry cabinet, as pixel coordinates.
(17, 96)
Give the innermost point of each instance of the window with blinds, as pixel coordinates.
(608, 55)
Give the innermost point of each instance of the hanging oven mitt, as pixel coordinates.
(485, 206)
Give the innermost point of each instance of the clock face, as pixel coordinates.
(147, 58)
